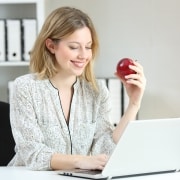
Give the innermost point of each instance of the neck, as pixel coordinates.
(62, 82)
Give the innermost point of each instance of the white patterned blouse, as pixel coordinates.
(40, 129)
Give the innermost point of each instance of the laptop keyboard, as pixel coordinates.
(93, 172)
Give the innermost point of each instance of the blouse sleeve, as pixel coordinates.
(103, 141)
(30, 144)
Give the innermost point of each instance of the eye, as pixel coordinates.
(73, 47)
(89, 47)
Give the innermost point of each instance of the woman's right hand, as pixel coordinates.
(63, 161)
(96, 162)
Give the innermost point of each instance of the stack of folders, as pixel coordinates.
(17, 37)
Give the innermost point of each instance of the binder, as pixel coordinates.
(10, 90)
(29, 33)
(2, 41)
(114, 86)
(125, 99)
(103, 80)
(13, 40)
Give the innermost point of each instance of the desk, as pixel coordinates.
(21, 173)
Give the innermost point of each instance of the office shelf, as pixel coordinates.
(21, 9)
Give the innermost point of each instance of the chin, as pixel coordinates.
(78, 73)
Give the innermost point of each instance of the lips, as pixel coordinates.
(78, 64)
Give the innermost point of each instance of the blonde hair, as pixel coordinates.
(61, 23)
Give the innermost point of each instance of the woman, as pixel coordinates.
(59, 112)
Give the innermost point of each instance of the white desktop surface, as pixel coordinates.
(22, 173)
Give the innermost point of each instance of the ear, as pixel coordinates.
(50, 45)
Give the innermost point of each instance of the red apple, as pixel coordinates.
(123, 67)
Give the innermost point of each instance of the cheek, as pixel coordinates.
(89, 55)
(62, 54)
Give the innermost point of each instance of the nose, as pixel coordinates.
(83, 54)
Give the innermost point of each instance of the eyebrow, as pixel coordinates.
(90, 42)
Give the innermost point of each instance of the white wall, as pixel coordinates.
(146, 30)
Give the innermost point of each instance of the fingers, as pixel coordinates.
(92, 162)
(101, 161)
(138, 68)
(137, 79)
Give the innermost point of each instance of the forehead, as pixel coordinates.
(80, 35)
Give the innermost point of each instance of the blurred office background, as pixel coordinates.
(145, 30)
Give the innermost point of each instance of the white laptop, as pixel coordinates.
(146, 147)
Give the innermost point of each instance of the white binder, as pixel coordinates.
(14, 40)
(10, 90)
(114, 86)
(103, 80)
(29, 36)
(2, 41)
(125, 99)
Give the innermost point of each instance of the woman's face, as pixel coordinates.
(74, 52)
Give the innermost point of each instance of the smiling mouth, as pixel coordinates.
(78, 64)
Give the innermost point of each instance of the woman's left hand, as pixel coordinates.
(134, 83)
